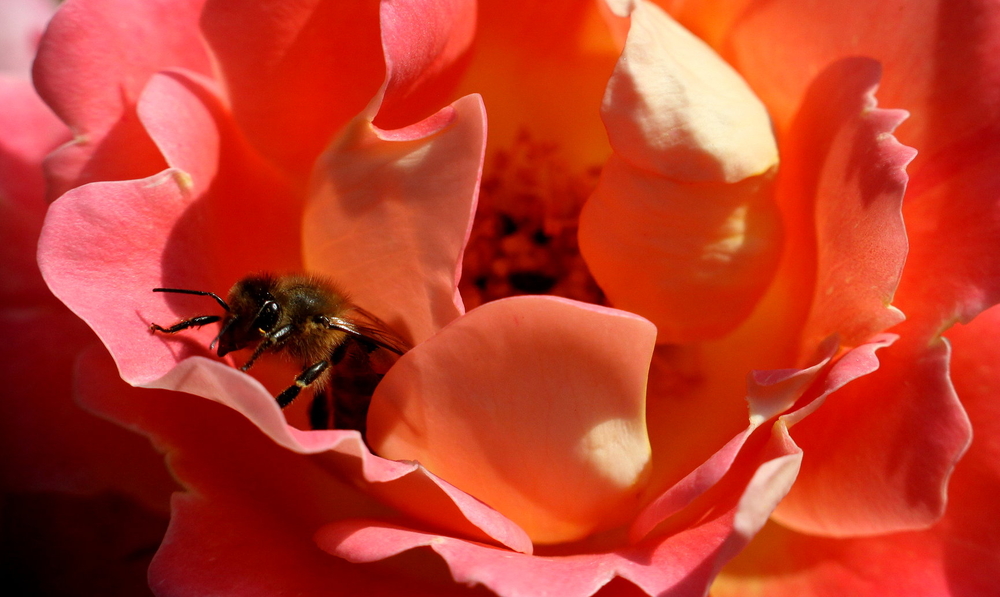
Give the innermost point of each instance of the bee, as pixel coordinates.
(313, 322)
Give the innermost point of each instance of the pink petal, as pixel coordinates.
(49, 443)
(30, 131)
(390, 212)
(478, 402)
(122, 239)
(769, 393)
(296, 72)
(89, 52)
(425, 44)
(246, 525)
(21, 26)
(680, 562)
(861, 242)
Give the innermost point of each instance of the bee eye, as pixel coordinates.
(267, 317)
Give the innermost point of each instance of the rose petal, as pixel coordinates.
(861, 242)
(425, 44)
(694, 259)
(683, 561)
(673, 107)
(175, 229)
(769, 393)
(520, 377)
(542, 68)
(881, 468)
(417, 185)
(297, 72)
(955, 556)
(99, 39)
(952, 272)
(260, 503)
(678, 117)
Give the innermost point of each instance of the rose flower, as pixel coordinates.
(665, 311)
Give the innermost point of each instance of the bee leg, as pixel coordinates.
(194, 322)
(276, 338)
(304, 380)
(319, 411)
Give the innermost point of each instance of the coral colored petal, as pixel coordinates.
(100, 39)
(390, 211)
(957, 556)
(861, 242)
(693, 259)
(107, 245)
(952, 272)
(296, 71)
(527, 376)
(678, 563)
(881, 467)
(260, 504)
(674, 107)
(769, 393)
(425, 44)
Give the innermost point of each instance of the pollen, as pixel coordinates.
(524, 237)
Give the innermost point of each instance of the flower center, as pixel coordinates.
(523, 238)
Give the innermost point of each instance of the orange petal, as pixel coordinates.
(535, 405)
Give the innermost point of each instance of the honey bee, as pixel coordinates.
(313, 322)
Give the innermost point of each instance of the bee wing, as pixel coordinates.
(365, 327)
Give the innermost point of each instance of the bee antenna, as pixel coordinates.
(217, 298)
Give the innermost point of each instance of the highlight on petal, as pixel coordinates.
(861, 240)
(674, 107)
(517, 378)
(389, 213)
(693, 259)
(682, 227)
(682, 560)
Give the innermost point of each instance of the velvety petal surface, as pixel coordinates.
(682, 227)
(860, 238)
(860, 248)
(881, 467)
(679, 560)
(956, 556)
(174, 229)
(481, 400)
(90, 74)
(389, 213)
(426, 45)
(259, 503)
(951, 216)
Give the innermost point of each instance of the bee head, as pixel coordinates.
(253, 315)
